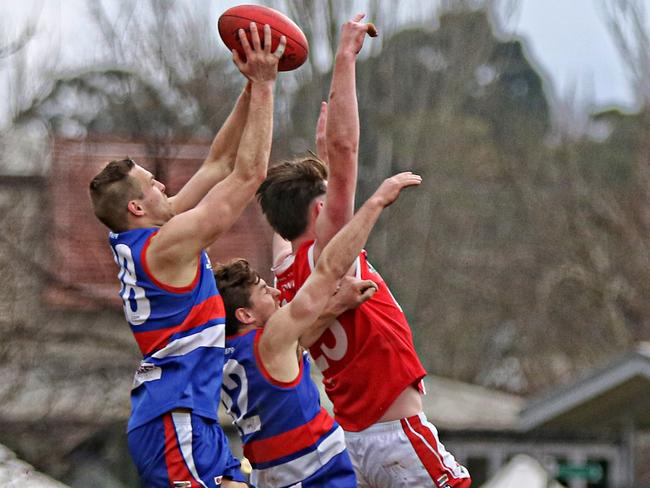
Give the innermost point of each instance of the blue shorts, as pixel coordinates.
(182, 450)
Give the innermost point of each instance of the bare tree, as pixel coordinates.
(628, 25)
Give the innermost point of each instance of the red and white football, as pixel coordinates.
(241, 16)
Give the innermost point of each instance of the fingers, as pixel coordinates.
(322, 117)
(321, 136)
(243, 39)
(267, 38)
(256, 60)
(372, 30)
(358, 17)
(367, 294)
(255, 37)
(364, 285)
(413, 180)
(390, 189)
(367, 289)
(281, 46)
(237, 59)
(257, 44)
(407, 178)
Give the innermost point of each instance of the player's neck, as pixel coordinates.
(142, 223)
(245, 329)
(299, 241)
(308, 235)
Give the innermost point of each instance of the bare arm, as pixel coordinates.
(321, 138)
(289, 323)
(281, 249)
(173, 252)
(351, 293)
(221, 157)
(342, 135)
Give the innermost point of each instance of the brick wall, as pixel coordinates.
(80, 257)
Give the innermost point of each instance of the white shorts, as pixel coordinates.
(404, 452)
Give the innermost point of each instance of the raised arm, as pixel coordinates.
(174, 251)
(290, 322)
(342, 135)
(351, 292)
(221, 157)
(321, 137)
(281, 248)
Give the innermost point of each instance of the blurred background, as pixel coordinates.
(522, 262)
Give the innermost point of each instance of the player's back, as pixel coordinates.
(180, 332)
(368, 349)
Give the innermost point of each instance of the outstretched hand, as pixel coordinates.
(260, 64)
(390, 189)
(353, 33)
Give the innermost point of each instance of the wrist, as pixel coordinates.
(345, 56)
(376, 202)
(262, 84)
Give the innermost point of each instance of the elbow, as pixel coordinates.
(253, 175)
(258, 178)
(326, 266)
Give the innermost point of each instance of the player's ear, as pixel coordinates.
(317, 207)
(244, 315)
(135, 208)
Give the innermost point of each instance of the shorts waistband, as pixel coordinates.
(383, 427)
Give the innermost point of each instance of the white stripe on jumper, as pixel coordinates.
(298, 469)
(213, 336)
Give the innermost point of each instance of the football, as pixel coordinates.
(241, 16)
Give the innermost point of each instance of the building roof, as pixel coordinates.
(454, 405)
(82, 265)
(617, 393)
(15, 473)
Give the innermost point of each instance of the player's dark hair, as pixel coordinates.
(287, 192)
(110, 192)
(235, 280)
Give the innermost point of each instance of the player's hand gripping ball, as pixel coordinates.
(241, 16)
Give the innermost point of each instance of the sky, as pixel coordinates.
(566, 40)
(569, 41)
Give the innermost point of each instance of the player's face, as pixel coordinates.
(155, 201)
(264, 301)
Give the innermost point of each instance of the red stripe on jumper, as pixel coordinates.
(176, 466)
(294, 440)
(153, 340)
